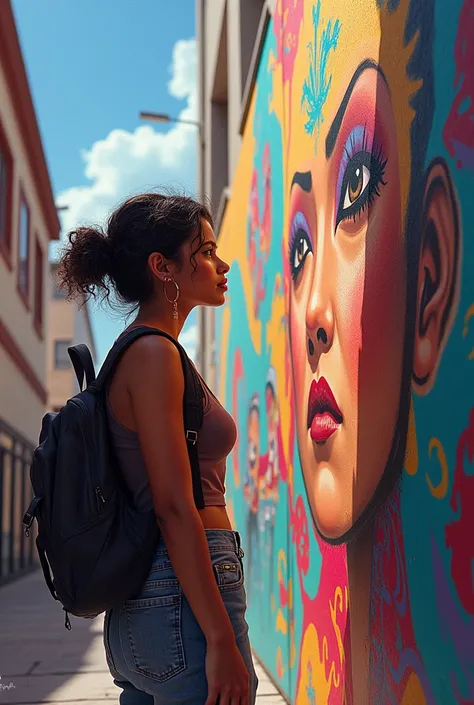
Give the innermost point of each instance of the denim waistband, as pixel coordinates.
(217, 539)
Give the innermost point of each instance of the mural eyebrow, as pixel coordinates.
(303, 179)
(337, 122)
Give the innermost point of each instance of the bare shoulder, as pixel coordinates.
(153, 358)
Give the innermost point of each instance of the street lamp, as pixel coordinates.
(163, 117)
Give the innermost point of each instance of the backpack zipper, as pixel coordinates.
(100, 499)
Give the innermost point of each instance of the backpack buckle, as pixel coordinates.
(30, 514)
(192, 437)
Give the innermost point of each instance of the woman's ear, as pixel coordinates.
(160, 266)
(438, 274)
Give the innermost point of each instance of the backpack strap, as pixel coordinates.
(83, 365)
(192, 402)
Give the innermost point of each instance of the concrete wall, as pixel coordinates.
(346, 351)
(20, 405)
(83, 334)
(66, 322)
(226, 31)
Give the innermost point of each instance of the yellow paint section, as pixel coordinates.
(440, 490)
(312, 676)
(233, 232)
(281, 623)
(338, 605)
(413, 694)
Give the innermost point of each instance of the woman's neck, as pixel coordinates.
(157, 317)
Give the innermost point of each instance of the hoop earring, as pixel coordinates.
(173, 302)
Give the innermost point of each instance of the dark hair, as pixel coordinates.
(118, 256)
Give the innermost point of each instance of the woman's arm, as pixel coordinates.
(156, 388)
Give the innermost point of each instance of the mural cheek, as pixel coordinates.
(381, 352)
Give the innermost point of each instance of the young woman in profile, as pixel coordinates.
(183, 638)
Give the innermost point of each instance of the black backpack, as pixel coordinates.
(94, 546)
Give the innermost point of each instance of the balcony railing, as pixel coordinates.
(17, 552)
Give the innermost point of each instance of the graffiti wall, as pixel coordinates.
(346, 352)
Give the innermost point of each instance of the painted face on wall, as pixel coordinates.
(253, 439)
(348, 287)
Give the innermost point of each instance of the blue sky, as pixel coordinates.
(93, 65)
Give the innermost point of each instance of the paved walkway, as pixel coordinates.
(42, 662)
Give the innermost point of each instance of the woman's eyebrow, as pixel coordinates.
(337, 122)
(303, 180)
(208, 242)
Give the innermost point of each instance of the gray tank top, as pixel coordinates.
(216, 440)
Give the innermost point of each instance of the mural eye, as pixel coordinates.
(357, 181)
(360, 185)
(300, 244)
(301, 249)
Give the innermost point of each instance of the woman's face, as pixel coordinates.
(201, 276)
(347, 300)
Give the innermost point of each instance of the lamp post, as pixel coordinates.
(165, 118)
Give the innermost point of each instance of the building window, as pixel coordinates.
(38, 311)
(6, 172)
(61, 357)
(57, 292)
(24, 249)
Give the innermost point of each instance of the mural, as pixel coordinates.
(346, 352)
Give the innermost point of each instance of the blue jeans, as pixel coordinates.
(154, 645)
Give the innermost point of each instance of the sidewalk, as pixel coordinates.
(42, 662)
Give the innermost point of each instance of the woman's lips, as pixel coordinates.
(324, 415)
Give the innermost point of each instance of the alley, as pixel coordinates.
(42, 662)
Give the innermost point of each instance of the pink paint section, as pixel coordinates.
(460, 533)
(458, 133)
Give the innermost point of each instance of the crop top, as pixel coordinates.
(216, 440)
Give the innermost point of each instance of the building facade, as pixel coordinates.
(227, 33)
(69, 325)
(339, 155)
(28, 223)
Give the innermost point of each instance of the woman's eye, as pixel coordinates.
(357, 181)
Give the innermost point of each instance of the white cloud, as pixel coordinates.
(124, 163)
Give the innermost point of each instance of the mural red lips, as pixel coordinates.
(324, 415)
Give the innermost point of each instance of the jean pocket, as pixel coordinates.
(154, 636)
(229, 575)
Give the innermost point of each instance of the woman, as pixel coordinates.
(184, 637)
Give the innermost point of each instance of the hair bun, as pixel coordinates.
(86, 262)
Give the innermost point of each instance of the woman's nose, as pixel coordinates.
(222, 267)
